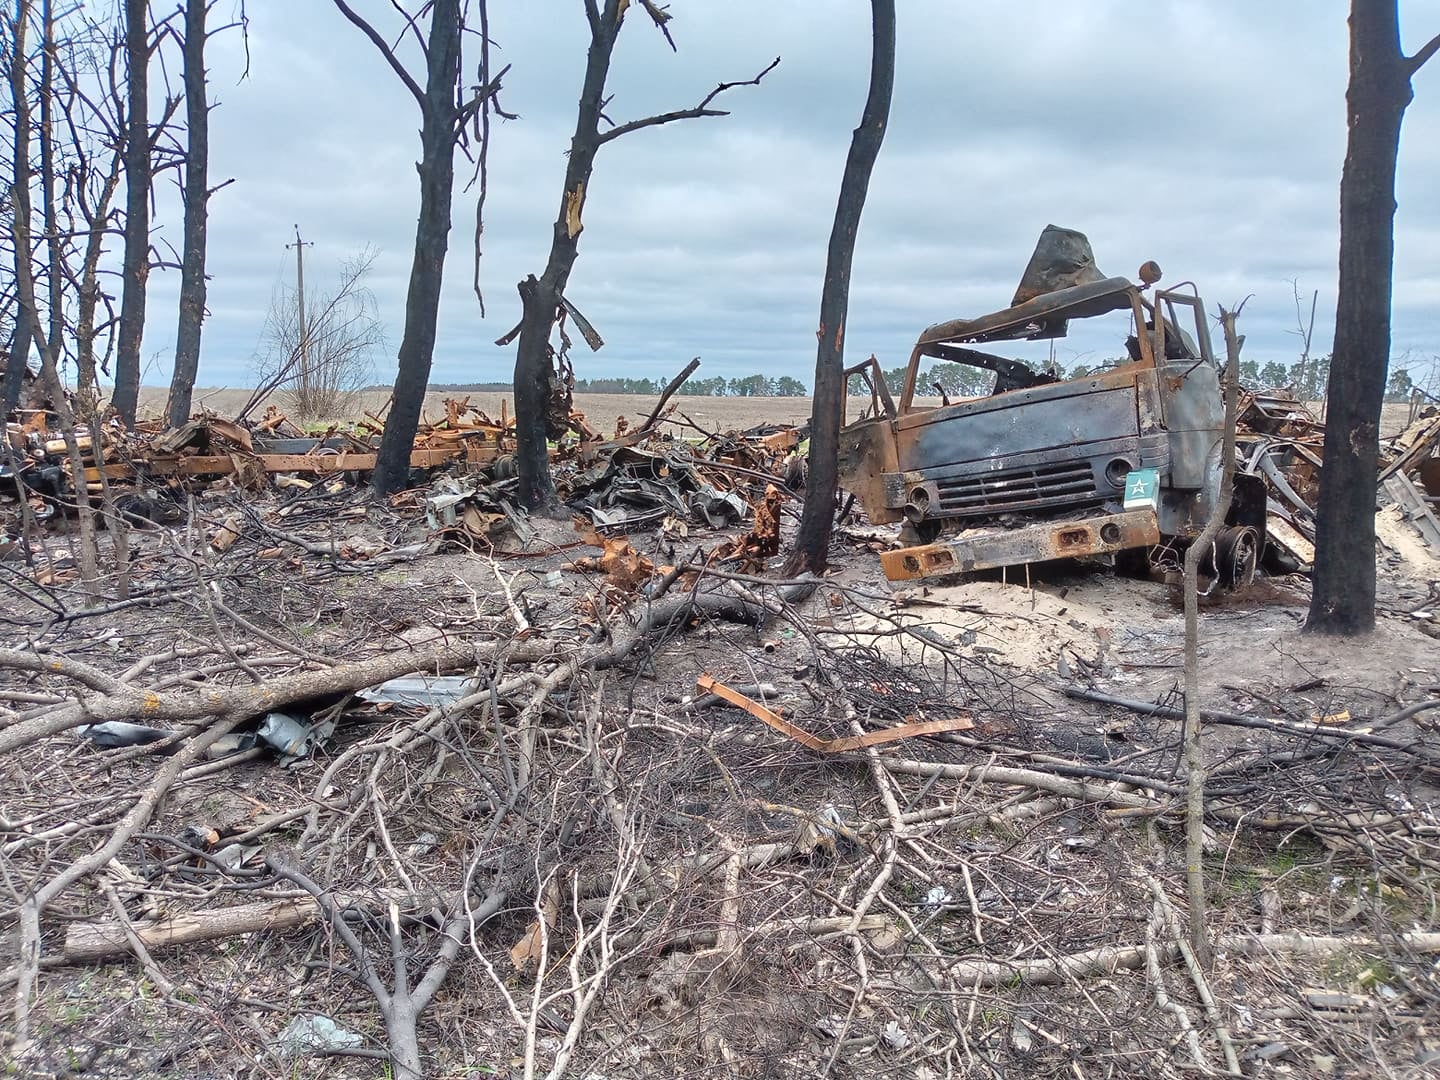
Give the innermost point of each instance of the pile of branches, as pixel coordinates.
(569, 867)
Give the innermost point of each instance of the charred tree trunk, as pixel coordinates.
(534, 370)
(541, 297)
(48, 338)
(19, 206)
(19, 357)
(197, 200)
(812, 546)
(1343, 600)
(136, 268)
(432, 238)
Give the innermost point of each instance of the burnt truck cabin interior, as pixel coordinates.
(1048, 317)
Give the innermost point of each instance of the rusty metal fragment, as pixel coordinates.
(707, 684)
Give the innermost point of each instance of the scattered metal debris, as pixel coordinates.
(113, 733)
(421, 691)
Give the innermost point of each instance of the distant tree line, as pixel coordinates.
(717, 386)
(1306, 378)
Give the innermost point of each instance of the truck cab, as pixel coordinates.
(1043, 467)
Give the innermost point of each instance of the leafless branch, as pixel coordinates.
(702, 109)
(1426, 51)
(385, 51)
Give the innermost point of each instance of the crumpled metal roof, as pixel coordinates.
(1043, 317)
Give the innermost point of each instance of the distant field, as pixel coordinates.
(602, 410)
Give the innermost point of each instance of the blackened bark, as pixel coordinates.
(19, 205)
(19, 357)
(1343, 598)
(136, 267)
(197, 200)
(432, 238)
(817, 519)
(541, 297)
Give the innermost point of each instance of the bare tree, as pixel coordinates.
(197, 192)
(318, 371)
(18, 353)
(94, 112)
(1343, 598)
(47, 337)
(1200, 551)
(136, 269)
(446, 114)
(543, 298)
(812, 546)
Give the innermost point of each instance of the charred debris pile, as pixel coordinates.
(226, 476)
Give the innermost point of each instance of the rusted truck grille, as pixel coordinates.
(1067, 483)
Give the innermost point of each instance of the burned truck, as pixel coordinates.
(1124, 459)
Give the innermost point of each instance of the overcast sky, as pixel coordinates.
(1207, 136)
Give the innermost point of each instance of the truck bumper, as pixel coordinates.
(1035, 543)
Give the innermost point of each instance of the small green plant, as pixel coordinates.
(1358, 970)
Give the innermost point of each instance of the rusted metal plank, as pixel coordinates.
(1100, 535)
(222, 465)
(1414, 507)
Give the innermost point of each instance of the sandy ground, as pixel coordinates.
(1128, 634)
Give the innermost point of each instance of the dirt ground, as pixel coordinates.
(743, 906)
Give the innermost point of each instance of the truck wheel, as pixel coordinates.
(1237, 553)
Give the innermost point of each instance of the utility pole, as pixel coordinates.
(300, 246)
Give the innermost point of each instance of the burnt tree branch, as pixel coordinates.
(702, 109)
(1424, 53)
(385, 51)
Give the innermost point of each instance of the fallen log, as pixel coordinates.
(88, 942)
(115, 700)
(118, 701)
(1111, 958)
(91, 941)
(1288, 727)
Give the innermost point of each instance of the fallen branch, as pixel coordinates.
(1108, 794)
(1287, 727)
(667, 394)
(706, 684)
(1111, 958)
(87, 942)
(122, 702)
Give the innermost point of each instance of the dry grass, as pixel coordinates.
(601, 410)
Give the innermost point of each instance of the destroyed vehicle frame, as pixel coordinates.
(1039, 468)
